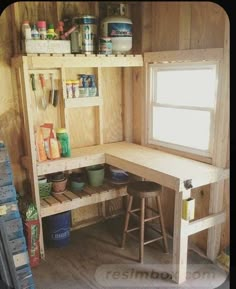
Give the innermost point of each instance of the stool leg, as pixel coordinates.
(141, 244)
(127, 215)
(158, 200)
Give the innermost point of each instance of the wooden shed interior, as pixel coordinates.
(157, 27)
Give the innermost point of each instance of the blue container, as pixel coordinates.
(57, 231)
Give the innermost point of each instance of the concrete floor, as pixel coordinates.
(94, 260)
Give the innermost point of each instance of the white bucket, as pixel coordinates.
(120, 30)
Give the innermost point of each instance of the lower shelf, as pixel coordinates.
(66, 201)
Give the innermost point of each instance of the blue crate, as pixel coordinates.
(4, 155)
(9, 211)
(18, 245)
(7, 194)
(6, 177)
(14, 229)
(25, 278)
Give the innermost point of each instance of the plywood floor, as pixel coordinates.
(94, 260)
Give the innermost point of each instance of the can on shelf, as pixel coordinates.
(87, 34)
(105, 45)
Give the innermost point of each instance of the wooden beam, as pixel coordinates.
(128, 104)
(15, 26)
(220, 150)
(205, 223)
(186, 55)
(180, 239)
(80, 60)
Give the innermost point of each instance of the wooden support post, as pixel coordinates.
(28, 116)
(128, 104)
(180, 239)
(220, 149)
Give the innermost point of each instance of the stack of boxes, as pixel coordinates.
(12, 236)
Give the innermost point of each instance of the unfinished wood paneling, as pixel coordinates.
(165, 25)
(81, 122)
(201, 196)
(69, 9)
(111, 82)
(10, 118)
(146, 44)
(207, 25)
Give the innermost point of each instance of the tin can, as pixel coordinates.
(87, 34)
(105, 45)
(83, 85)
(75, 88)
(69, 91)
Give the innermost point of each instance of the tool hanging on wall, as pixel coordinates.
(43, 98)
(54, 93)
(34, 89)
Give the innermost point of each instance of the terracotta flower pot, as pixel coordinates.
(59, 186)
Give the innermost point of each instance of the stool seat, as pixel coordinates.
(143, 189)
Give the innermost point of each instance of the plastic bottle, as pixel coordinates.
(42, 30)
(64, 141)
(26, 30)
(34, 32)
(51, 34)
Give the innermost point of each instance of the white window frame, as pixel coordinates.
(154, 103)
(178, 59)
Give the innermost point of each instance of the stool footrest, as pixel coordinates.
(133, 229)
(133, 214)
(135, 210)
(153, 240)
(151, 218)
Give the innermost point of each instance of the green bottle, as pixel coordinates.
(64, 141)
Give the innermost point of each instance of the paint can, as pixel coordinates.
(87, 34)
(105, 45)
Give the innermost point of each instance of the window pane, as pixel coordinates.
(189, 86)
(189, 128)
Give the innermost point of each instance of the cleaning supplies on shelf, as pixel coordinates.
(50, 141)
(64, 141)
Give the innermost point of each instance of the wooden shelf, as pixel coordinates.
(59, 203)
(83, 101)
(43, 61)
(80, 157)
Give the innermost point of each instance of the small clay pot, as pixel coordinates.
(59, 186)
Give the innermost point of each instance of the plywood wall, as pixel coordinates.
(173, 26)
(156, 26)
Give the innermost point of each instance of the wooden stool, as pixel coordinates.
(143, 190)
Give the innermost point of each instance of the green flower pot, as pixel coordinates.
(95, 175)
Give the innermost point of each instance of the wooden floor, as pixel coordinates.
(94, 260)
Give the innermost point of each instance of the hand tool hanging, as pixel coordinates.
(34, 89)
(54, 93)
(43, 98)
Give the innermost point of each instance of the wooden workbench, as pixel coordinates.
(177, 173)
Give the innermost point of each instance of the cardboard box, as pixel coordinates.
(46, 46)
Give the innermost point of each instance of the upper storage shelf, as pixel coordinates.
(45, 61)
